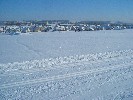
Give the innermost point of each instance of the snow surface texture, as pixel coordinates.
(25, 47)
(86, 72)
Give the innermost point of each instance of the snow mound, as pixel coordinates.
(50, 63)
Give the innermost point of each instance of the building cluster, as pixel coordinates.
(24, 27)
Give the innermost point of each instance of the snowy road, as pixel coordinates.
(100, 76)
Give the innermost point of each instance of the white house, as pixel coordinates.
(107, 27)
(25, 29)
(92, 27)
(59, 28)
(1, 29)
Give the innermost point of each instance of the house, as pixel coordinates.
(99, 27)
(92, 27)
(106, 27)
(1, 29)
(117, 28)
(25, 29)
(59, 28)
(73, 28)
(35, 29)
(67, 26)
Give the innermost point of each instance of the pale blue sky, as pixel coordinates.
(74, 10)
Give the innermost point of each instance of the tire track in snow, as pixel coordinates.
(60, 77)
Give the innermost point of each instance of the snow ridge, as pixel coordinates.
(48, 63)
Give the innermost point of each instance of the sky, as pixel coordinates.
(73, 10)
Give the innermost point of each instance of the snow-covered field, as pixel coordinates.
(94, 65)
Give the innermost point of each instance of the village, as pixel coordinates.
(12, 27)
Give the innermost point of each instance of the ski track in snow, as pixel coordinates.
(58, 77)
(69, 77)
(28, 48)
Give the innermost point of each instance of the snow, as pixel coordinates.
(54, 44)
(93, 65)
